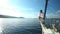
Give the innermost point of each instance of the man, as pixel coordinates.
(41, 16)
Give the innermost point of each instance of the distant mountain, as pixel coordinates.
(6, 16)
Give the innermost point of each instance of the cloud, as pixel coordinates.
(27, 8)
(58, 11)
(3, 3)
(6, 9)
(17, 13)
(9, 12)
(53, 15)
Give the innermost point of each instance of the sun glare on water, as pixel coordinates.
(1, 25)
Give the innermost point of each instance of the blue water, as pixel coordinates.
(20, 26)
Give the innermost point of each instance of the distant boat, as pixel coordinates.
(21, 17)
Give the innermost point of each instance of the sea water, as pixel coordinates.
(26, 25)
(20, 26)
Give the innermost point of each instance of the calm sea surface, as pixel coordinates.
(20, 26)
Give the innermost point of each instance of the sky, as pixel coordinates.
(29, 8)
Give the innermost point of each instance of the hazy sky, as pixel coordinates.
(29, 8)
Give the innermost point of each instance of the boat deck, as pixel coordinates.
(49, 28)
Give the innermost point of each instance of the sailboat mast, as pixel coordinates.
(45, 8)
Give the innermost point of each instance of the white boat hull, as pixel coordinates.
(47, 30)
